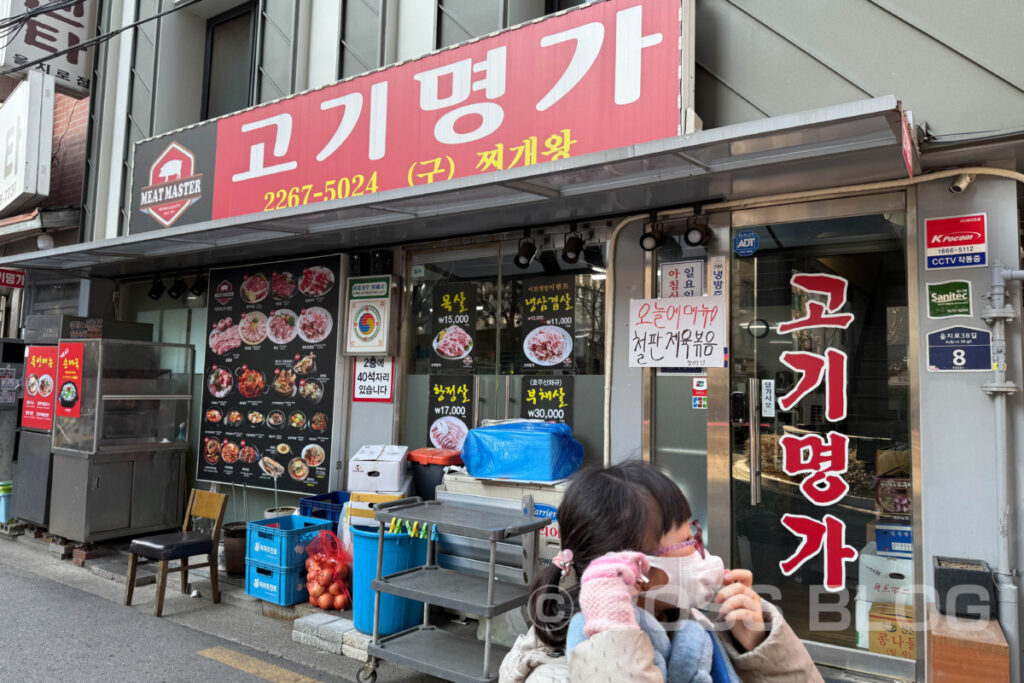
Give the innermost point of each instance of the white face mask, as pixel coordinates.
(692, 580)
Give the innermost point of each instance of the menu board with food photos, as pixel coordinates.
(268, 395)
(450, 413)
(453, 326)
(549, 323)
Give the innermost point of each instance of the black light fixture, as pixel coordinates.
(653, 236)
(157, 290)
(527, 250)
(199, 285)
(178, 287)
(696, 233)
(573, 246)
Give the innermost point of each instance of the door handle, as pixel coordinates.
(754, 426)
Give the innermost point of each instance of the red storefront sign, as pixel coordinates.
(40, 387)
(601, 77)
(12, 278)
(69, 379)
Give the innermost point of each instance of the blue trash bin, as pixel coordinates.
(5, 501)
(400, 552)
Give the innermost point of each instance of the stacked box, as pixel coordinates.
(275, 557)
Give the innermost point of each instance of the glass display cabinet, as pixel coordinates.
(119, 455)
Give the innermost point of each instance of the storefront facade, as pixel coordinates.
(769, 217)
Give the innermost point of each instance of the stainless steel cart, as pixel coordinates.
(427, 648)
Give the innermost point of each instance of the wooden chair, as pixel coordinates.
(181, 545)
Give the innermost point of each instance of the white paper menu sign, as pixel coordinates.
(373, 378)
(677, 333)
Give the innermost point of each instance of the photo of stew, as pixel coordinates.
(251, 383)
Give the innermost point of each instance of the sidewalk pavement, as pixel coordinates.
(238, 618)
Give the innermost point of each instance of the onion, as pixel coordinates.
(343, 572)
(335, 588)
(325, 601)
(316, 590)
(325, 577)
(340, 601)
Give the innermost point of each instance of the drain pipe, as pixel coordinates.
(997, 314)
(609, 331)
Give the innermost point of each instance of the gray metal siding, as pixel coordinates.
(958, 69)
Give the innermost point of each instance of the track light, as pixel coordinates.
(573, 246)
(199, 285)
(527, 250)
(696, 234)
(157, 290)
(653, 236)
(961, 182)
(178, 288)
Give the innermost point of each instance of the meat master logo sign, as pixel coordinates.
(173, 185)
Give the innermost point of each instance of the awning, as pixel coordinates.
(837, 145)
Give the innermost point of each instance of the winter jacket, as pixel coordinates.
(626, 654)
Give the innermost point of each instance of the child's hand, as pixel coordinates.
(744, 576)
(741, 611)
(607, 588)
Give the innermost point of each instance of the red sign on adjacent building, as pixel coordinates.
(600, 77)
(40, 387)
(12, 278)
(69, 379)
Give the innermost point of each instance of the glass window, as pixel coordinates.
(460, 20)
(229, 62)
(360, 37)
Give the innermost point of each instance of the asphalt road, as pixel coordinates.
(50, 631)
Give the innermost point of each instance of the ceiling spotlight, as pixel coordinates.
(527, 250)
(961, 182)
(573, 246)
(157, 290)
(44, 241)
(178, 288)
(696, 234)
(199, 285)
(653, 236)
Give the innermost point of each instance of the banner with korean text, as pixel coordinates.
(677, 333)
(603, 76)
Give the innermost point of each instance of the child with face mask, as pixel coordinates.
(624, 573)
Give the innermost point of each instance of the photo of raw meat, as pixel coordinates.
(254, 289)
(224, 337)
(253, 327)
(316, 281)
(453, 343)
(282, 326)
(448, 432)
(282, 285)
(547, 345)
(315, 324)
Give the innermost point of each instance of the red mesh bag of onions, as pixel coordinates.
(329, 572)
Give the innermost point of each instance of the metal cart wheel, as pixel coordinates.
(367, 674)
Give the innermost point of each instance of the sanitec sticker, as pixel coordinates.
(956, 242)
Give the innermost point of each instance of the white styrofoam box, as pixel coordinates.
(885, 579)
(378, 468)
(361, 504)
(546, 499)
(861, 610)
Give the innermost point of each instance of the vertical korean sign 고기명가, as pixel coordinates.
(70, 356)
(549, 323)
(268, 399)
(823, 458)
(453, 327)
(602, 76)
(450, 410)
(40, 387)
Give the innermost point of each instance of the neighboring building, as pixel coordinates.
(796, 106)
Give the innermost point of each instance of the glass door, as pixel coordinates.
(820, 426)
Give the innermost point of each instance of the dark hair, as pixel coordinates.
(600, 513)
(671, 502)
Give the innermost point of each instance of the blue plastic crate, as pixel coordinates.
(281, 541)
(276, 585)
(325, 506)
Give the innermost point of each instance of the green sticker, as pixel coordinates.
(949, 299)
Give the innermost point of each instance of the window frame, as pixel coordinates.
(212, 23)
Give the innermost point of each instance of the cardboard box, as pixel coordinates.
(885, 579)
(893, 497)
(378, 468)
(891, 630)
(361, 504)
(894, 540)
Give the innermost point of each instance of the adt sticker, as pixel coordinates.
(956, 242)
(960, 349)
(745, 243)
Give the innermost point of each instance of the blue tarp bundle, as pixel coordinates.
(535, 451)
